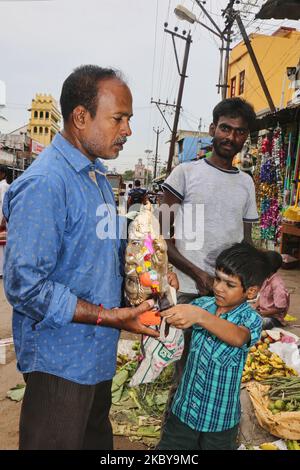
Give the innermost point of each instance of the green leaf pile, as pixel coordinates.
(16, 393)
(136, 412)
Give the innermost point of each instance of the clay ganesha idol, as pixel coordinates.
(146, 260)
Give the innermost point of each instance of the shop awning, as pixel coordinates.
(282, 117)
(280, 10)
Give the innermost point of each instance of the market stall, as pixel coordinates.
(276, 176)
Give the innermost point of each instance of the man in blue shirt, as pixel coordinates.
(63, 273)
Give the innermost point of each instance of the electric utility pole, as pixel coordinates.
(227, 33)
(224, 36)
(252, 55)
(232, 16)
(147, 152)
(183, 76)
(157, 132)
(166, 104)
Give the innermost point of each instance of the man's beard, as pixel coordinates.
(91, 149)
(225, 153)
(94, 150)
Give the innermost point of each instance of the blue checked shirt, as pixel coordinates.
(57, 251)
(208, 397)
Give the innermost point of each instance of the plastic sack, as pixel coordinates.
(158, 353)
(278, 333)
(288, 352)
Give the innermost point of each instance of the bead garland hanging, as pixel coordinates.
(268, 178)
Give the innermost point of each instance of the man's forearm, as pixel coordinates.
(88, 313)
(248, 233)
(119, 318)
(182, 263)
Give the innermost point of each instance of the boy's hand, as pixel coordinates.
(182, 315)
(173, 280)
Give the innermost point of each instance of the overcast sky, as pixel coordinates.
(42, 42)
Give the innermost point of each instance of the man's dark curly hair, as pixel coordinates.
(81, 88)
(235, 108)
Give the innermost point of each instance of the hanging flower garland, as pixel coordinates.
(278, 155)
(269, 184)
(256, 179)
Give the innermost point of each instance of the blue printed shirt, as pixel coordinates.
(208, 397)
(58, 250)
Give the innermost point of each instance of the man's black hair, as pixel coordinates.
(274, 259)
(4, 171)
(246, 262)
(235, 108)
(137, 183)
(81, 88)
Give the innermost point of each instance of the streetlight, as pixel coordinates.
(231, 16)
(183, 13)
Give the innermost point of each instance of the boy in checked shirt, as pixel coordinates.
(205, 412)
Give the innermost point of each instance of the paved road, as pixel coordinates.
(9, 377)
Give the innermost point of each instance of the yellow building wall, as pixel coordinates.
(274, 54)
(45, 119)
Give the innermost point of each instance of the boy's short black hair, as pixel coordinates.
(137, 183)
(274, 259)
(246, 262)
(235, 108)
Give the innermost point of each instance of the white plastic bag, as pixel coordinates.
(158, 353)
(288, 352)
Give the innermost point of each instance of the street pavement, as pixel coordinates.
(250, 431)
